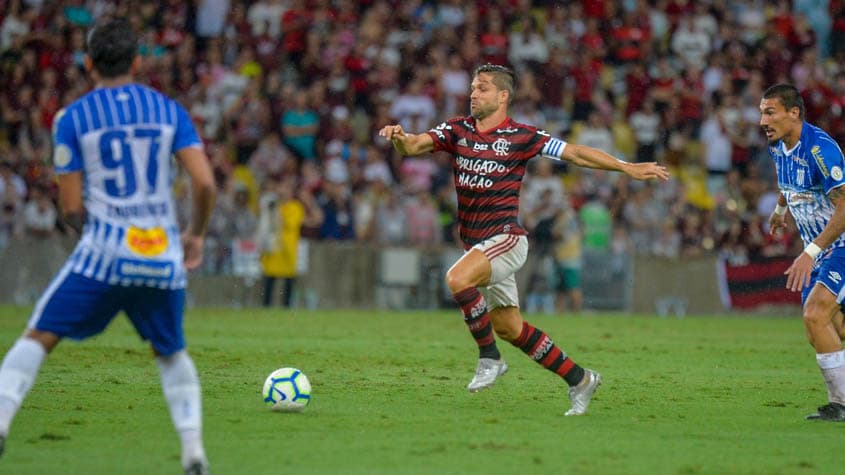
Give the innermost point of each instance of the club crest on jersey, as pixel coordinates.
(836, 173)
(501, 147)
(146, 242)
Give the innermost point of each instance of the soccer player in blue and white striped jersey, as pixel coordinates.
(112, 153)
(811, 174)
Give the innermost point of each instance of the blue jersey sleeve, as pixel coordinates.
(828, 158)
(67, 156)
(186, 133)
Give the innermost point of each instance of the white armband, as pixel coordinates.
(553, 149)
(780, 210)
(813, 250)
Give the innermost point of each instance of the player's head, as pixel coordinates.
(781, 112)
(112, 48)
(492, 88)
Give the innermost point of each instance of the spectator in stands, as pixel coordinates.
(567, 260)
(300, 127)
(279, 233)
(39, 214)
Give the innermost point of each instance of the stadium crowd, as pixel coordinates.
(288, 96)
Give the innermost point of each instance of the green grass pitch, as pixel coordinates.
(700, 395)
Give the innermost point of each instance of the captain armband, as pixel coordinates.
(553, 149)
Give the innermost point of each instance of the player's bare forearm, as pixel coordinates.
(203, 202)
(203, 189)
(590, 157)
(407, 144)
(836, 226)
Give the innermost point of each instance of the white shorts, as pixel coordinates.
(507, 254)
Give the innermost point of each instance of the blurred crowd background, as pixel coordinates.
(288, 96)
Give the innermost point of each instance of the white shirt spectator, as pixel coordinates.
(717, 145)
(646, 126)
(413, 109)
(266, 14)
(12, 25)
(211, 17)
(526, 47)
(691, 44)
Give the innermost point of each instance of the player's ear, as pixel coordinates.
(88, 63)
(135, 67)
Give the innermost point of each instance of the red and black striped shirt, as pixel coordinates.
(488, 169)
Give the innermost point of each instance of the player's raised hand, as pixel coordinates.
(647, 171)
(392, 131)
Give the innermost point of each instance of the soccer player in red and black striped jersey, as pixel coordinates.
(491, 153)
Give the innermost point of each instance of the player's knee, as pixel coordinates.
(506, 332)
(815, 315)
(456, 282)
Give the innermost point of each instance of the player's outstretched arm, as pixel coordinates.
(407, 144)
(203, 193)
(590, 157)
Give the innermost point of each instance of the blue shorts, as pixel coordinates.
(830, 272)
(77, 307)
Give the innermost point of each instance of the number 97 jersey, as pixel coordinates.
(122, 139)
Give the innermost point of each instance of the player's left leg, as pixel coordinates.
(510, 326)
(17, 375)
(839, 324)
(157, 315)
(821, 310)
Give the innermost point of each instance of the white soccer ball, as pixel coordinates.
(287, 390)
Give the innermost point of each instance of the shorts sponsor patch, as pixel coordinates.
(134, 268)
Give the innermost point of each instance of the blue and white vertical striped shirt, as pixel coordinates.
(122, 139)
(806, 174)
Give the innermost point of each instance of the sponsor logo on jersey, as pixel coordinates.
(146, 242)
(463, 142)
(508, 130)
(501, 147)
(480, 146)
(817, 155)
(482, 167)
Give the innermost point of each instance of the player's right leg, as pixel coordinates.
(72, 306)
(157, 315)
(463, 279)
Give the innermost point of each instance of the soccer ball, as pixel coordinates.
(287, 390)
